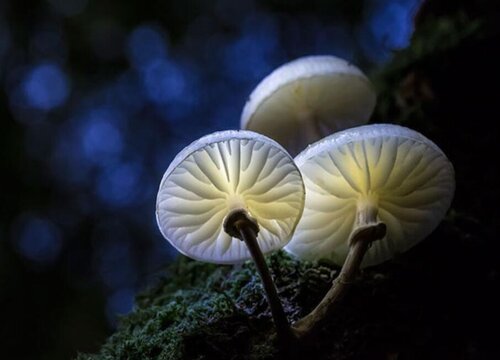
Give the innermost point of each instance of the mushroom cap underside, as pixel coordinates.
(404, 175)
(308, 99)
(220, 173)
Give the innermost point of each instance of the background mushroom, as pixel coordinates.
(375, 182)
(308, 99)
(226, 187)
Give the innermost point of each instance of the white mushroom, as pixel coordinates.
(230, 186)
(381, 173)
(308, 99)
(374, 182)
(221, 173)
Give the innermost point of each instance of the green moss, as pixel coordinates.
(200, 310)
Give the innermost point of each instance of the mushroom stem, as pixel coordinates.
(312, 130)
(240, 225)
(360, 241)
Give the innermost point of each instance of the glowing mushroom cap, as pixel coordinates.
(399, 175)
(220, 173)
(308, 99)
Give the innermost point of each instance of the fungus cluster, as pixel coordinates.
(356, 196)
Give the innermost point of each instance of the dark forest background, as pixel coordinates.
(97, 97)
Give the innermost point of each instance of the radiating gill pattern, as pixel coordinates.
(408, 180)
(238, 173)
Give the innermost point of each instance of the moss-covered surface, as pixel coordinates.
(438, 301)
(202, 311)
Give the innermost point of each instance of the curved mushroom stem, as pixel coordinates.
(240, 225)
(361, 241)
(367, 231)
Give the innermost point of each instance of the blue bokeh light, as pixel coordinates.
(46, 86)
(164, 81)
(121, 185)
(388, 27)
(145, 45)
(120, 302)
(101, 138)
(391, 24)
(37, 239)
(173, 88)
(253, 55)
